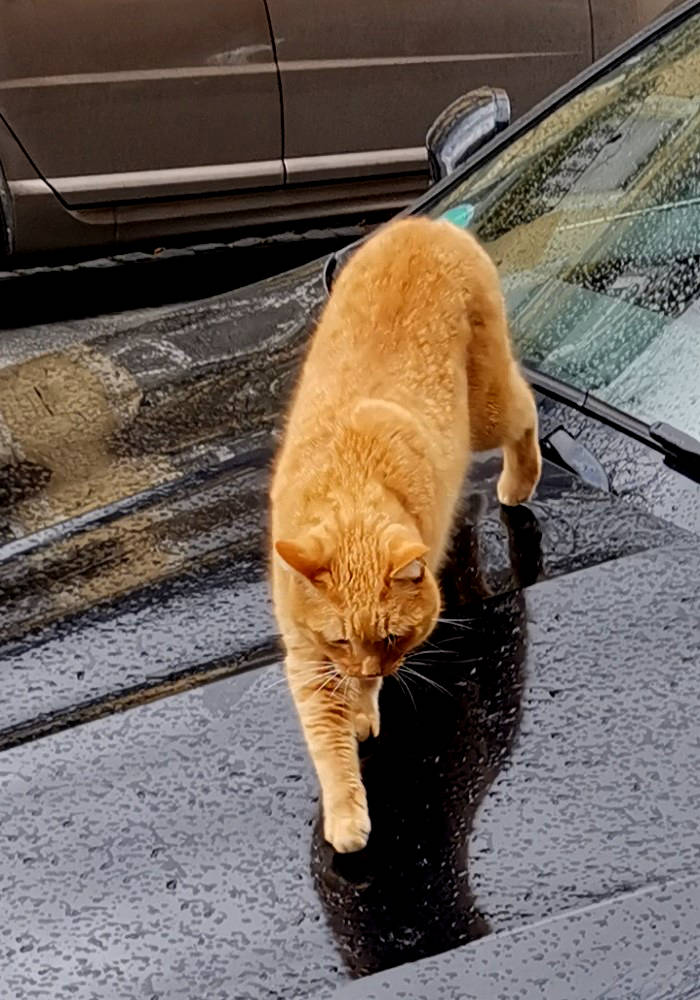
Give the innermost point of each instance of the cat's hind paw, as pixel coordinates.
(512, 491)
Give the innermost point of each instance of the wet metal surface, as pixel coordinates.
(164, 853)
(137, 559)
(613, 947)
(545, 760)
(179, 590)
(184, 389)
(174, 851)
(637, 475)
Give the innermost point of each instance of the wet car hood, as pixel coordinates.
(612, 949)
(542, 763)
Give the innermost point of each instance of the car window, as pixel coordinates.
(593, 217)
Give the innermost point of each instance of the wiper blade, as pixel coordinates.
(681, 450)
(679, 445)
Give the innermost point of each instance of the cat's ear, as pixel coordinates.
(406, 557)
(307, 555)
(414, 570)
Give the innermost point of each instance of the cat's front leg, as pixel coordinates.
(327, 717)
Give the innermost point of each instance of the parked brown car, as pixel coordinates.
(123, 119)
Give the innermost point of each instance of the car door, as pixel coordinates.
(124, 99)
(362, 81)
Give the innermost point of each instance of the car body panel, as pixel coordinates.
(407, 67)
(125, 100)
(612, 24)
(249, 209)
(178, 842)
(181, 410)
(185, 125)
(566, 691)
(614, 944)
(39, 220)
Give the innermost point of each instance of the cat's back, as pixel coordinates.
(409, 285)
(396, 324)
(415, 263)
(396, 328)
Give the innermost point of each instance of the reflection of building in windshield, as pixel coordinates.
(594, 223)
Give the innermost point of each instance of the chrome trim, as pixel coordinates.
(171, 177)
(328, 165)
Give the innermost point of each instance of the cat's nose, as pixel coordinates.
(370, 667)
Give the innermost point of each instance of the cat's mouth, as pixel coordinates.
(368, 673)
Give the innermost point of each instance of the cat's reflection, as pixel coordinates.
(407, 894)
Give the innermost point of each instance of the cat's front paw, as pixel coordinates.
(346, 824)
(366, 724)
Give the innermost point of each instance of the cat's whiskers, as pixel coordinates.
(273, 683)
(403, 683)
(416, 662)
(428, 680)
(312, 664)
(324, 685)
(341, 680)
(458, 622)
(427, 642)
(459, 663)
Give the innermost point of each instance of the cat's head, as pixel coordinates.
(364, 596)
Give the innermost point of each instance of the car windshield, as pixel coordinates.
(593, 217)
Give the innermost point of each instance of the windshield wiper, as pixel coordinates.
(680, 450)
(677, 444)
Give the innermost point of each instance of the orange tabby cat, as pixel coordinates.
(409, 370)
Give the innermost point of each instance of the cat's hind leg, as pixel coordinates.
(522, 462)
(502, 409)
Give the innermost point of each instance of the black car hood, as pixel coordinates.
(542, 761)
(617, 949)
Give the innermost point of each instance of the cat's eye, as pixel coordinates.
(338, 642)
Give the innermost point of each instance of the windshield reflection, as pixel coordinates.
(593, 217)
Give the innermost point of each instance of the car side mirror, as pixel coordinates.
(463, 127)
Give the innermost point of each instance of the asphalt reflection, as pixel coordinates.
(408, 895)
